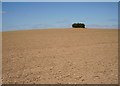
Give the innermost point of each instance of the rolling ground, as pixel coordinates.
(66, 56)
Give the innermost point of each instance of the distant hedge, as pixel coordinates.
(78, 25)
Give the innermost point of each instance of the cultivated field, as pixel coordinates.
(81, 56)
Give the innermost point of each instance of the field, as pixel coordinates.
(54, 56)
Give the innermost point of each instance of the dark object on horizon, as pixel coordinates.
(78, 25)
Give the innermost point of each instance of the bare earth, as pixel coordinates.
(67, 56)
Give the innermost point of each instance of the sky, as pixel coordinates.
(0, 16)
(60, 0)
(42, 15)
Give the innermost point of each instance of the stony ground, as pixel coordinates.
(81, 56)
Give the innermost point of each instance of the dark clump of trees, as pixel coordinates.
(78, 25)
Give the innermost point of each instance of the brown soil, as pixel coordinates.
(81, 56)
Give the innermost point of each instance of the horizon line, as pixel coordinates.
(58, 28)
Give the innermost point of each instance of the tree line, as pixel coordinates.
(78, 25)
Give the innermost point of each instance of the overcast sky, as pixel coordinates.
(34, 15)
